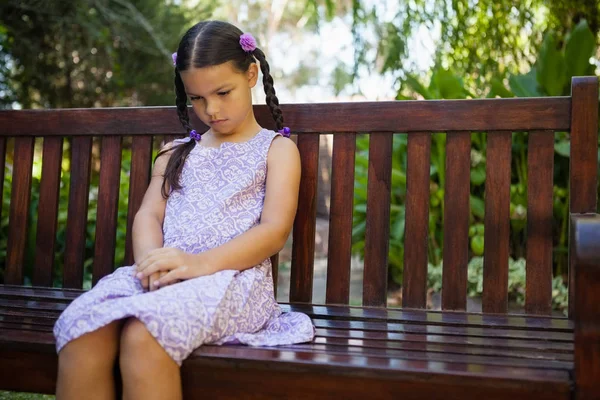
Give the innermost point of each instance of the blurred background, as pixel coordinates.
(109, 53)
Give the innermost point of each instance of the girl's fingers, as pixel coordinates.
(172, 277)
(153, 278)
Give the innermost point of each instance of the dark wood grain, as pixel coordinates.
(377, 233)
(19, 210)
(457, 211)
(81, 154)
(583, 162)
(377, 116)
(139, 178)
(275, 271)
(497, 223)
(48, 213)
(3, 141)
(540, 167)
(108, 203)
(414, 287)
(340, 219)
(585, 242)
(303, 247)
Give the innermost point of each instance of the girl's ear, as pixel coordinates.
(252, 75)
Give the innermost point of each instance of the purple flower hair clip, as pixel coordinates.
(174, 57)
(248, 42)
(285, 132)
(195, 135)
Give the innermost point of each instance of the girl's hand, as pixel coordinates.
(172, 264)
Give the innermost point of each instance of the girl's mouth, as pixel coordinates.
(217, 121)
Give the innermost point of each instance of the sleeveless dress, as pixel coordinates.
(222, 196)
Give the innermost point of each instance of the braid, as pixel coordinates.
(180, 153)
(181, 102)
(272, 100)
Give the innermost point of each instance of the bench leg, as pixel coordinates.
(147, 370)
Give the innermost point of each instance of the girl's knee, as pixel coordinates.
(139, 349)
(94, 349)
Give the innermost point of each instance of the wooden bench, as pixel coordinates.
(359, 352)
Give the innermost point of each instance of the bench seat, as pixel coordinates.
(412, 353)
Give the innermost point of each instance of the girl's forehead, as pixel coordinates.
(207, 79)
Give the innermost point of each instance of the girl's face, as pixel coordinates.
(221, 95)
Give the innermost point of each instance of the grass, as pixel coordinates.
(24, 396)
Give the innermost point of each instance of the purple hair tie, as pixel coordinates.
(195, 135)
(285, 132)
(248, 42)
(174, 57)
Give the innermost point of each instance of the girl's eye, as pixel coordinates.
(224, 93)
(194, 98)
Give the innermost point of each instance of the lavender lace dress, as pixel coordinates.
(222, 197)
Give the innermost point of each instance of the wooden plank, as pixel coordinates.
(303, 248)
(81, 154)
(19, 210)
(585, 239)
(497, 223)
(583, 162)
(48, 213)
(414, 287)
(275, 272)
(540, 167)
(378, 116)
(340, 219)
(3, 141)
(377, 233)
(456, 221)
(139, 178)
(108, 203)
(433, 318)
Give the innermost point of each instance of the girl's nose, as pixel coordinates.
(212, 108)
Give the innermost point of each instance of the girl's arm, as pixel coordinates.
(147, 231)
(251, 247)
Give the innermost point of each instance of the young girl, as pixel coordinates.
(209, 222)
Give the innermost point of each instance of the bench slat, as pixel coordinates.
(340, 219)
(303, 247)
(414, 287)
(19, 210)
(497, 223)
(139, 178)
(583, 162)
(378, 220)
(540, 167)
(378, 116)
(81, 153)
(108, 204)
(456, 221)
(2, 164)
(48, 214)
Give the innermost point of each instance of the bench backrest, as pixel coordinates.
(149, 126)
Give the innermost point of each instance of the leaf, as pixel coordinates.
(413, 83)
(551, 67)
(498, 89)
(478, 175)
(524, 85)
(563, 148)
(477, 206)
(449, 85)
(580, 47)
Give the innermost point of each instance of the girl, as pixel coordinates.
(209, 222)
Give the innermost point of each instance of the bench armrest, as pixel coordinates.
(585, 264)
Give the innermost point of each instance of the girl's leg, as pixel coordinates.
(147, 370)
(85, 365)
